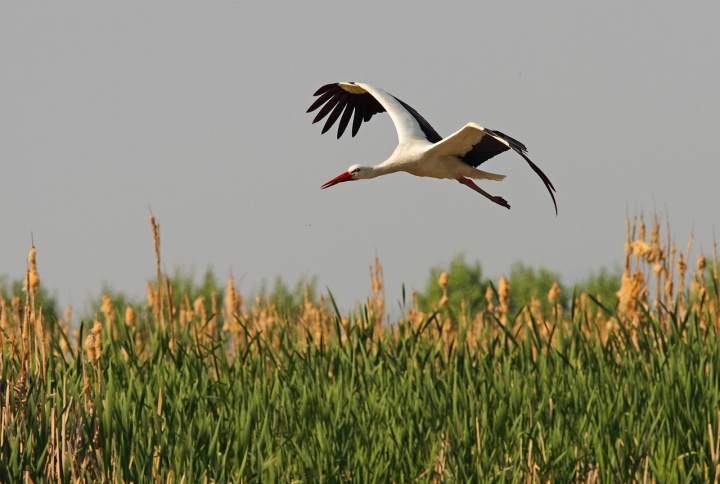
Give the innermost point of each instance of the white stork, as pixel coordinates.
(421, 151)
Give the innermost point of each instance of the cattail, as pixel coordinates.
(504, 293)
(377, 277)
(655, 254)
(34, 278)
(640, 248)
(681, 266)
(96, 331)
(657, 269)
(701, 263)
(157, 298)
(230, 299)
(107, 308)
(443, 281)
(68, 315)
(130, 317)
(90, 347)
(554, 293)
(631, 288)
(188, 308)
(199, 307)
(156, 238)
(150, 295)
(489, 297)
(4, 325)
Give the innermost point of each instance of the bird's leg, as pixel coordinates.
(471, 184)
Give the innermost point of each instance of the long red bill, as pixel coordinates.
(338, 179)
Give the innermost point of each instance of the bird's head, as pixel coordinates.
(355, 172)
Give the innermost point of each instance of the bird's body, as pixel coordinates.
(421, 151)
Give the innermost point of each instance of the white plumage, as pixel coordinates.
(421, 151)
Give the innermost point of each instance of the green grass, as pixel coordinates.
(395, 408)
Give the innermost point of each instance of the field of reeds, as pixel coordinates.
(199, 384)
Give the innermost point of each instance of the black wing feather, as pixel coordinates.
(346, 116)
(358, 118)
(325, 88)
(325, 110)
(320, 101)
(336, 99)
(335, 112)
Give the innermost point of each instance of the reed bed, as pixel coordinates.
(218, 388)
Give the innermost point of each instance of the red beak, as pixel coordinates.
(341, 178)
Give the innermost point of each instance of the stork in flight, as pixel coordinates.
(421, 151)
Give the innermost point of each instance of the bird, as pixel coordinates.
(421, 151)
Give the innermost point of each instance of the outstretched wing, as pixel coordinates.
(346, 98)
(475, 145)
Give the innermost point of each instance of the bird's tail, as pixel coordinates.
(485, 175)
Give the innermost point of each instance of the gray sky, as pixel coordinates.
(198, 110)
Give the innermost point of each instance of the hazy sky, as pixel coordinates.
(198, 110)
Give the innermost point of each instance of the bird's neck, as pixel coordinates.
(384, 168)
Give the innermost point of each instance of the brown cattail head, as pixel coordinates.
(199, 306)
(31, 256)
(640, 248)
(657, 269)
(701, 263)
(150, 295)
(489, 297)
(656, 253)
(377, 277)
(130, 318)
(4, 323)
(230, 298)
(90, 347)
(96, 332)
(443, 280)
(631, 289)
(504, 293)
(554, 293)
(156, 237)
(107, 308)
(189, 314)
(681, 266)
(34, 278)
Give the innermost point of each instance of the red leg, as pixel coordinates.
(471, 184)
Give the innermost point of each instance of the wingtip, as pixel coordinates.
(324, 88)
